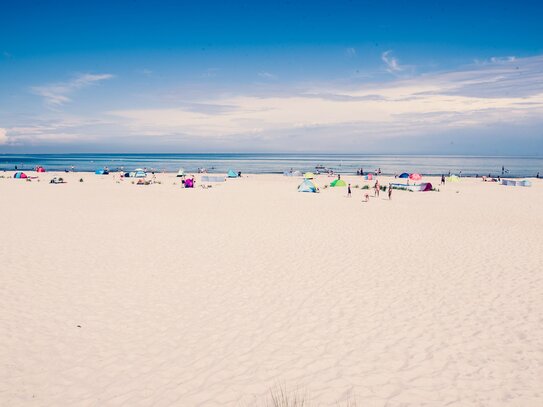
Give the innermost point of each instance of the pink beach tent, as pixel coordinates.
(20, 175)
(40, 169)
(415, 177)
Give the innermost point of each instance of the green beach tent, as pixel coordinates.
(338, 183)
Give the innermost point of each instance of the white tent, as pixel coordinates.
(181, 172)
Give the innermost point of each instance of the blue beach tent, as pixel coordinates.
(232, 174)
(404, 175)
(307, 186)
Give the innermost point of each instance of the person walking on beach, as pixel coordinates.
(442, 179)
(349, 191)
(376, 188)
(389, 192)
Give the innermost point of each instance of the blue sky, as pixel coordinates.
(368, 77)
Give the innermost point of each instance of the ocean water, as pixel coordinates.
(278, 163)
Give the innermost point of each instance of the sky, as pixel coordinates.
(402, 77)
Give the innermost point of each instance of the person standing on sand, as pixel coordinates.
(442, 179)
(376, 188)
(349, 191)
(389, 192)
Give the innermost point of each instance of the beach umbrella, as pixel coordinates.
(309, 175)
(415, 177)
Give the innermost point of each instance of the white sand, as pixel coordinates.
(212, 297)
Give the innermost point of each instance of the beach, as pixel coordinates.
(119, 294)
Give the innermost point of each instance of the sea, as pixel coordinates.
(279, 163)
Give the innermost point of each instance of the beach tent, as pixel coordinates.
(40, 169)
(453, 178)
(208, 178)
(426, 187)
(415, 177)
(20, 175)
(338, 183)
(181, 172)
(138, 173)
(307, 186)
(404, 175)
(368, 177)
(101, 172)
(309, 175)
(514, 183)
(189, 183)
(297, 174)
(232, 174)
(423, 187)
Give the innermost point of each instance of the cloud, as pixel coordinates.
(350, 52)
(267, 75)
(3, 136)
(210, 73)
(343, 115)
(470, 98)
(498, 60)
(58, 94)
(393, 66)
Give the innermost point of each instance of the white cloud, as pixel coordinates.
(58, 94)
(267, 75)
(3, 136)
(497, 60)
(468, 98)
(210, 73)
(350, 52)
(392, 63)
(481, 99)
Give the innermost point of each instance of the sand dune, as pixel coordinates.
(116, 294)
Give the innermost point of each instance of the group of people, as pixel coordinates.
(376, 191)
(360, 171)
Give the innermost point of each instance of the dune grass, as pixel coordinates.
(280, 396)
